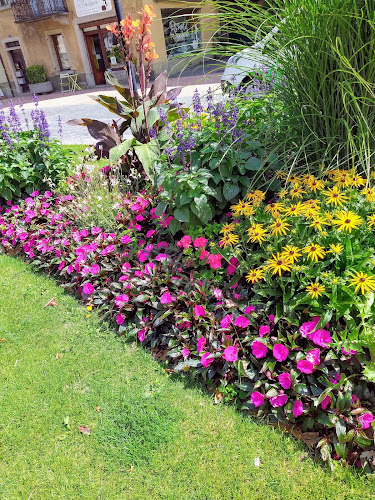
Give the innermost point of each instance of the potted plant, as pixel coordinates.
(38, 83)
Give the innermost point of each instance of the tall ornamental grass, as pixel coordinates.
(324, 51)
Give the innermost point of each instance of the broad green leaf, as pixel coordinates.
(253, 163)
(148, 154)
(120, 150)
(230, 191)
(182, 214)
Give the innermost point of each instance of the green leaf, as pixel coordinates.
(340, 429)
(174, 226)
(230, 191)
(362, 441)
(120, 150)
(160, 209)
(185, 198)
(182, 214)
(253, 163)
(148, 154)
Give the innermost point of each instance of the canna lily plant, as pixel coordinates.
(139, 110)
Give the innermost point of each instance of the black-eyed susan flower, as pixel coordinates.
(240, 208)
(314, 184)
(362, 282)
(279, 227)
(274, 208)
(371, 220)
(335, 197)
(280, 174)
(283, 193)
(358, 181)
(369, 193)
(294, 210)
(229, 239)
(257, 233)
(254, 275)
(297, 191)
(347, 221)
(318, 222)
(292, 253)
(337, 249)
(278, 264)
(314, 251)
(227, 228)
(315, 290)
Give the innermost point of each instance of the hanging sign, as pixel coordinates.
(88, 7)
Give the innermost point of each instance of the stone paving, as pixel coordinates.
(80, 105)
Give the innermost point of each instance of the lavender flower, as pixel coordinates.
(197, 105)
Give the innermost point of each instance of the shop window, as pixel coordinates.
(181, 31)
(4, 3)
(61, 52)
(113, 50)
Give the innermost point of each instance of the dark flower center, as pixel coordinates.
(313, 249)
(362, 280)
(347, 221)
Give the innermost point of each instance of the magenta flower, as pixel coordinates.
(305, 366)
(141, 335)
(226, 321)
(120, 318)
(280, 352)
(201, 344)
(279, 400)
(326, 401)
(259, 349)
(218, 294)
(249, 309)
(94, 269)
(349, 352)
(185, 352)
(297, 408)
(204, 254)
(150, 233)
(34, 194)
(285, 380)
(355, 400)
(206, 360)
(257, 398)
(184, 242)
(241, 322)
(149, 267)
(160, 257)
(214, 261)
(335, 380)
(88, 289)
(199, 311)
(125, 239)
(264, 330)
(308, 327)
(320, 337)
(313, 356)
(166, 298)
(366, 419)
(96, 230)
(107, 250)
(230, 354)
(200, 242)
(121, 300)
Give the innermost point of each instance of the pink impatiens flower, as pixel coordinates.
(166, 298)
(285, 380)
(279, 400)
(141, 335)
(120, 318)
(313, 356)
(280, 352)
(230, 354)
(264, 330)
(326, 401)
(226, 321)
(249, 309)
(297, 408)
(94, 269)
(184, 242)
(214, 261)
(259, 349)
(200, 242)
(308, 327)
(185, 352)
(366, 419)
(305, 366)
(241, 322)
(349, 352)
(320, 337)
(201, 344)
(206, 360)
(257, 398)
(125, 239)
(218, 293)
(88, 289)
(199, 311)
(121, 300)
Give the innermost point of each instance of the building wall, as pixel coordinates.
(37, 46)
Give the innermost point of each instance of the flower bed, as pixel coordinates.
(296, 369)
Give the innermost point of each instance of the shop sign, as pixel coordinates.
(88, 7)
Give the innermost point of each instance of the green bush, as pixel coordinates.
(31, 164)
(36, 74)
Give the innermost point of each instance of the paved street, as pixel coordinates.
(81, 105)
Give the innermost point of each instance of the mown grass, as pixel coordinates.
(79, 150)
(154, 436)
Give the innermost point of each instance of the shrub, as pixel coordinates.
(212, 158)
(36, 74)
(29, 160)
(302, 374)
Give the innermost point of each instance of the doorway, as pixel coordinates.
(97, 56)
(19, 68)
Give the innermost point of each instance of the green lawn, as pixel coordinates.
(154, 436)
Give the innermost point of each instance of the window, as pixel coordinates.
(181, 31)
(10, 45)
(61, 52)
(4, 3)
